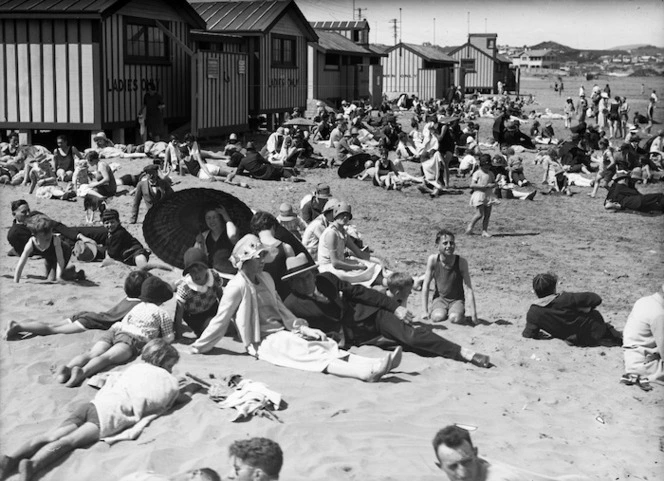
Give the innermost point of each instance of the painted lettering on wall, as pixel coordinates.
(131, 85)
(283, 82)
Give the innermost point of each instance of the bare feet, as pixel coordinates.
(12, 332)
(77, 377)
(485, 234)
(63, 374)
(468, 231)
(25, 470)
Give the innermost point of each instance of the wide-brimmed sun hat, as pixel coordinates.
(330, 205)
(621, 174)
(297, 265)
(100, 135)
(247, 248)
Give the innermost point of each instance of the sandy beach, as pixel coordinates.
(544, 406)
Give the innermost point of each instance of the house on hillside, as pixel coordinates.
(275, 36)
(536, 59)
(84, 65)
(342, 69)
(480, 67)
(425, 71)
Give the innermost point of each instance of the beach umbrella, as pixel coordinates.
(301, 121)
(353, 165)
(170, 227)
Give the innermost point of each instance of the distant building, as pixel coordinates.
(422, 70)
(357, 31)
(480, 67)
(536, 59)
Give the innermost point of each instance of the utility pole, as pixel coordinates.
(434, 30)
(400, 25)
(353, 9)
(359, 12)
(468, 23)
(394, 26)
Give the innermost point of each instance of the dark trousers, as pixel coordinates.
(421, 341)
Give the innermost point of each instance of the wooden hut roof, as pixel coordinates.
(430, 54)
(379, 48)
(340, 25)
(336, 43)
(252, 17)
(498, 58)
(84, 9)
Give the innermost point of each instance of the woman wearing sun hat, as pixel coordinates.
(271, 332)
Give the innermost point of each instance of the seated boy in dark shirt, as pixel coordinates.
(570, 316)
(119, 244)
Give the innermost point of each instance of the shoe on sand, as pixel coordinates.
(481, 360)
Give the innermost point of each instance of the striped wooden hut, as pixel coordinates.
(357, 31)
(480, 67)
(276, 34)
(85, 65)
(425, 71)
(341, 69)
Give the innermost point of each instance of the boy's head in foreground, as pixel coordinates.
(545, 284)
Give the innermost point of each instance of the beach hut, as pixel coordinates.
(85, 65)
(480, 67)
(276, 35)
(422, 70)
(340, 68)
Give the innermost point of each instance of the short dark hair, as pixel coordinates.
(189, 138)
(92, 155)
(399, 280)
(13, 134)
(545, 284)
(451, 436)
(444, 233)
(485, 159)
(209, 474)
(62, 137)
(18, 203)
(260, 453)
(158, 352)
(134, 281)
(262, 221)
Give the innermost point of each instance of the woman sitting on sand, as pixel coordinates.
(131, 400)
(270, 332)
(218, 239)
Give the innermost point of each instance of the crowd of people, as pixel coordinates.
(305, 308)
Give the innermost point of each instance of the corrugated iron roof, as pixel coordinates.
(84, 8)
(502, 58)
(431, 54)
(379, 48)
(247, 16)
(340, 25)
(334, 42)
(56, 6)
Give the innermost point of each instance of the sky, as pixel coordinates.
(580, 24)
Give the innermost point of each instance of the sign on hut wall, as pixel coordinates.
(131, 85)
(212, 68)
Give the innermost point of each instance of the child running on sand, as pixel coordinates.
(125, 339)
(85, 320)
(482, 183)
(50, 246)
(138, 395)
(197, 293)
(450, 273)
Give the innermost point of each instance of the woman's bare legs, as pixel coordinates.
(357, 367)
(41, 328)
(485, 221)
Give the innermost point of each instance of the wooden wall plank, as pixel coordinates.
(23, 71)
(3, 72)
(36, 79)
(49, 73)
(74, 65)
(87, 73)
